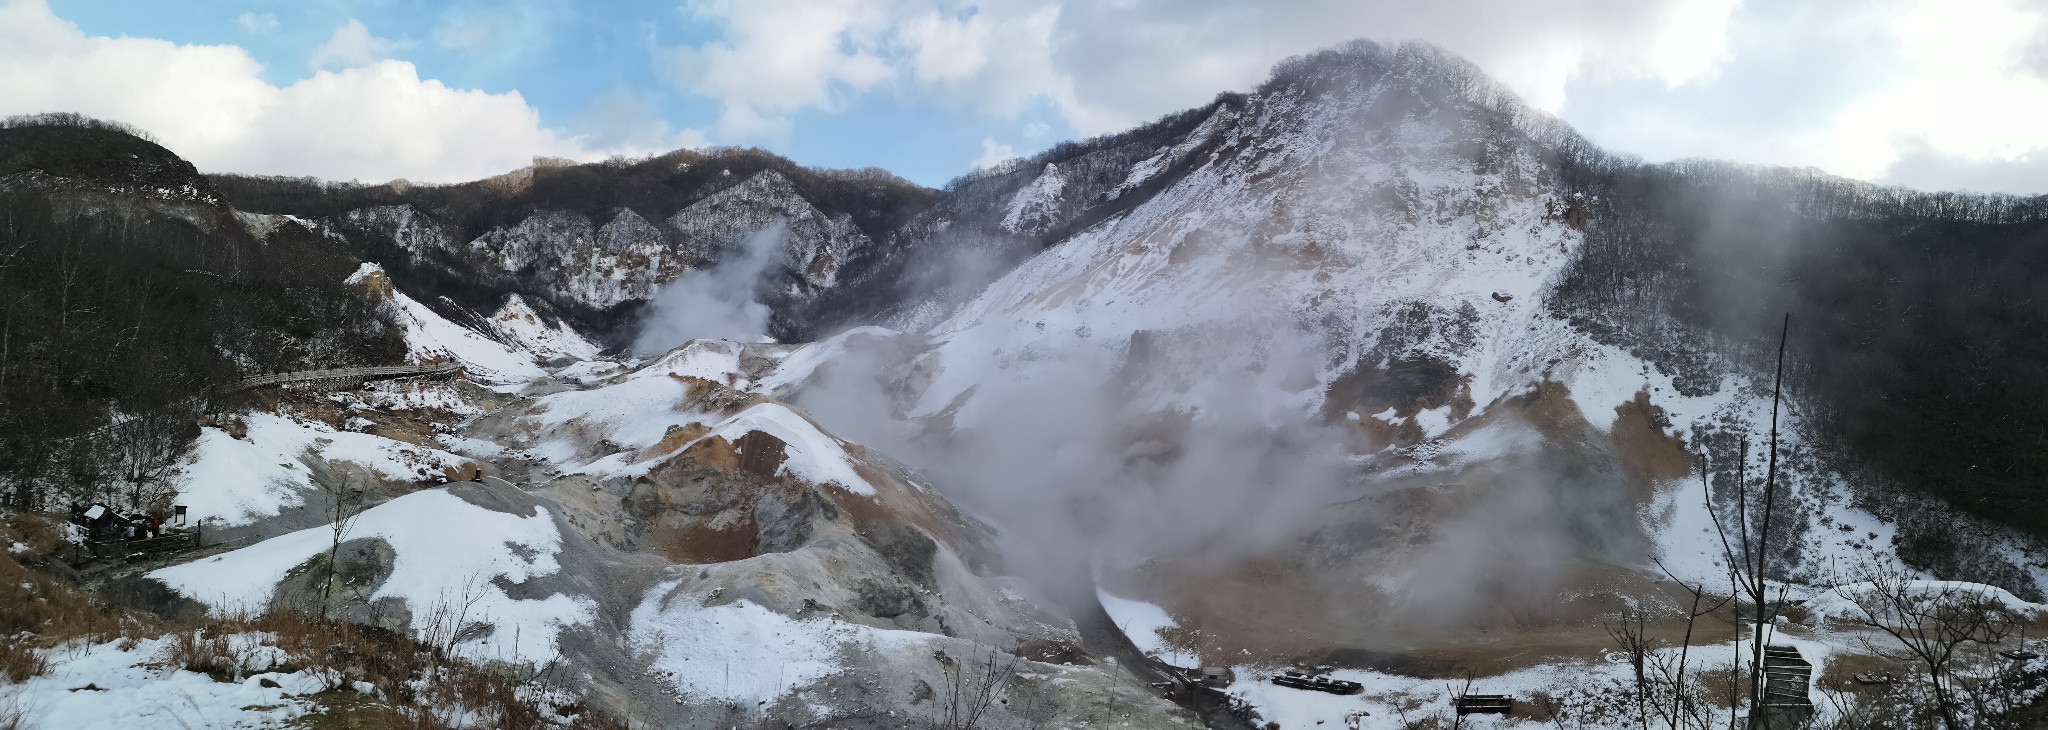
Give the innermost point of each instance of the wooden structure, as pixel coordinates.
(336, 378)
(169, 541)
(111, 534)
(1318, 683)
(1203, 689)
(1483, 704)
(344, 377)
(1788, 677)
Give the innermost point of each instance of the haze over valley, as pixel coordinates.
(1369, 394)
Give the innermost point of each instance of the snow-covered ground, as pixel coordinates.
(430, 337)
(449, 552)
(741, 652)
(122, 685)
(1140, 622)
(516, 321)
(237, 481)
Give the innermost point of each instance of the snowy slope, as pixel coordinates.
(517, 323)
(1327, 237)
(432, 338)
(236, 481)
(435, 565)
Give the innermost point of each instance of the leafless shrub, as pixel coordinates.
(970, 688)
(1930, 623)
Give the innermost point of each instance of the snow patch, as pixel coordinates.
(237, 481)
(434, 565)
(744, 653)
(1141, 622)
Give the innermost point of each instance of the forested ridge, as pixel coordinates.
(1917, 343)
(1919, 338)
(121, 306)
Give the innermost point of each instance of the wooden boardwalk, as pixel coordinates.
(1787, 679)
(341, 376)
(338, 377)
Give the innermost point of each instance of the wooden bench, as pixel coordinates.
(1483, 704)
(1299, 680)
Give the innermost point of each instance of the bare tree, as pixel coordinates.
(346, 503)
(1631, 634)
(1930, 621)
(1747, 554)
(146, 447)
(1686, 709)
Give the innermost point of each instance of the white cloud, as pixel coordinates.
(1109, 65)
(257, 23)
(210, 104)
(998, 59)
(1920, 92)
(778, 57)
(993, 154)
(1931, 94)
(351, 46)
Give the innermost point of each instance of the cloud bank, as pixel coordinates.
(1925, 93)
(360, 116)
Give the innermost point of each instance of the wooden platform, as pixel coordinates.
(1299, 680)
(1787, 679)
(1483, 704)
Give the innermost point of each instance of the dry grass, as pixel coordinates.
(416, 684)
(38, 610)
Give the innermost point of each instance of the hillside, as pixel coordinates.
(133, 293)
(1373, 371)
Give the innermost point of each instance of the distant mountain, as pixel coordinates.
(1436, 255)
(595, 241)
(1915, 357)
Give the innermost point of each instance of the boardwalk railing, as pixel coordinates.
(343, 375)
(320, 377)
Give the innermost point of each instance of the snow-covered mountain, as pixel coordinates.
(1372, 369)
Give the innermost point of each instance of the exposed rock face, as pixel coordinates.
(813, 251)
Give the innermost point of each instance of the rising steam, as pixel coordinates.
(718, 302)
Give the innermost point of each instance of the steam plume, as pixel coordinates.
(716, 302)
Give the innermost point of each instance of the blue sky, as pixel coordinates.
(1924, 93)
(568, 59)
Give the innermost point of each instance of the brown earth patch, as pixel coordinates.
(465, 472)
(714, 452)
(714, 397)
(1650, 455)
(896, 505)
(1256, 611)
(376, 285)
(695, 386)
(1408, 386)
(1278, 614)
(1550, 409)
(1839, 674)
(760, 454)
(700, 542)
(674, 438)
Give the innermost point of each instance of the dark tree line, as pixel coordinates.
(119, 315)
(1923, 350)
(654, 187)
